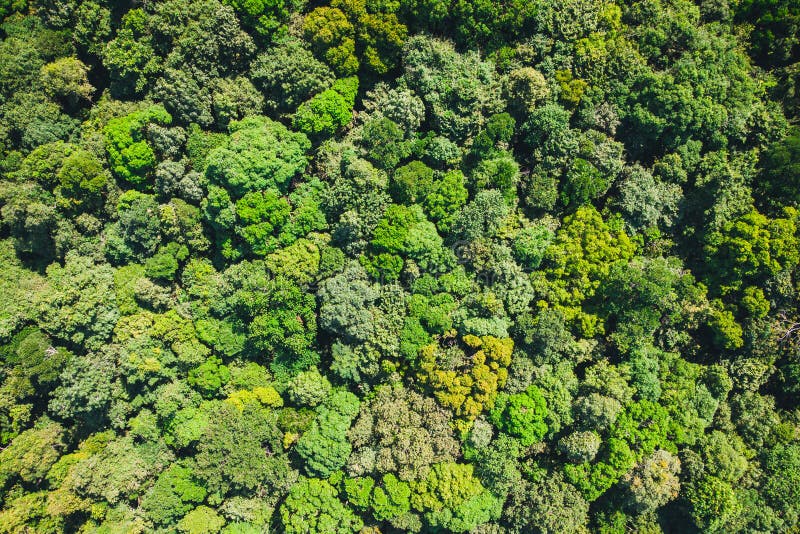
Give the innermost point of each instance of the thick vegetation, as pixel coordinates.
(399, 266)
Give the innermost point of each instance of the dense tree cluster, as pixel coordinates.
(399, 266)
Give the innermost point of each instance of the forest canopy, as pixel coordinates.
(357, 266)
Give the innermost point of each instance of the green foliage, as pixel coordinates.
(522, 415)
(358, 491)
(459, 91)
(725, 456)
(391, 499)
(309, 388)
(584, 183)
(172, 495)
(384, 142)
(530, 245)
(286, 327)
(313, 505)
(444, 199)
(258, 154)
(31, 454)
(349, 29)
(379, 34)
(402, 432)
(288, 74)
(241, 450)
(572, 88)
(164, 264)
(727, 332)
(779, 172)
(184, 97)
(66, 79)
(650, 296)
(209, 377)
(500, 172)
(580, 446)
(88, 388)
(92, 26)
(549, 504)
(345, 302)
(234, 99)
(399, 266)
(402, 232)
(328, 111)
(324, 448)
(79, 306)
(496, 460)
(114, 470)
(201, 520)
(751, 249)
(137, 232)
(30, 217)
(774, 35)
(482, 216)
(8, 7)
(129, 154)
(265, 16)
(636, 433)
(783, 463)
(333, 37)
(400, 106)
(654, 482)
(471, 385)
(299, 261)
(411, 183)
(82, 181)
(576, 260)
(32, 368)
(524, 88)
(450, 497)
(646, 201)
(129, 57)
(261, 214)
(713, 503)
